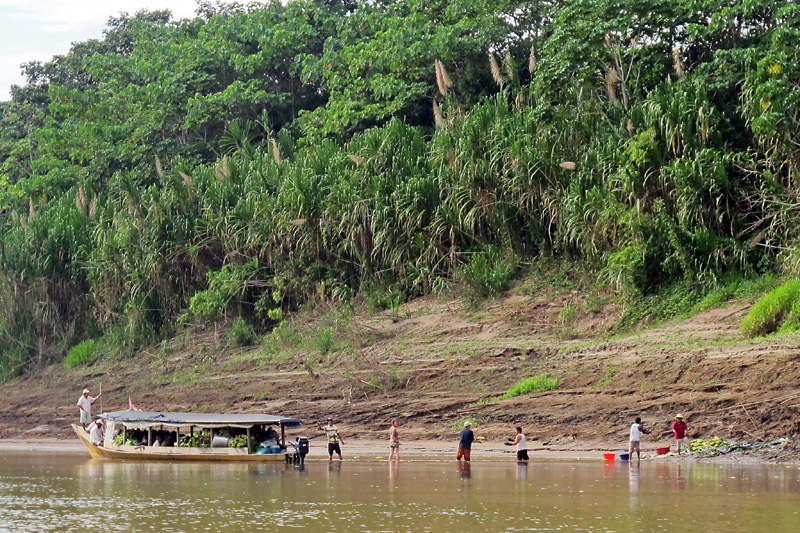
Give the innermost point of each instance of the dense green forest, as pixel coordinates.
(256, 159)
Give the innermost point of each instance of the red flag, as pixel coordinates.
(131, 406)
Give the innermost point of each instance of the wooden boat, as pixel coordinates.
(212, 425)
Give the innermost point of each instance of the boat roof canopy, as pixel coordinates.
(141, 419)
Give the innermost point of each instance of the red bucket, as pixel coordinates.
(662, 451)
(609, 456)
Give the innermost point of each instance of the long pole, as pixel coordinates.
(101, 396)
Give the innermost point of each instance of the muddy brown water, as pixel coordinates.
(69, 492)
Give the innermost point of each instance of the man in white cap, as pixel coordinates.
(466, 437)
(679, 429)
(85, 405)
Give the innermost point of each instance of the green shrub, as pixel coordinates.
(733, 286)
(84, 353)
(383, 296)
(779, 309)
(12, 361)
(540, 383)
(241, 333)
(323, 341)
(666, 303)
(487, 274)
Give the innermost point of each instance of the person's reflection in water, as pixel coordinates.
(335, 468)
(680, 481)
(633, 483)
(394, 469)
(463, 470)
(522, 470)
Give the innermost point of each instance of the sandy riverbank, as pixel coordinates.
(371, 449)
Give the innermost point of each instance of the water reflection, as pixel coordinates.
(50, 493)
(522, 471)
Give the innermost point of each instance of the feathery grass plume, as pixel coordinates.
(221, 170)
(23, 222)
(437, 115)
(276, 153)
(31, 209)
(532, 59)
(611, 81)
(630, 126)
(439, 80)
(445, 76)
(676, 55)
(511, 66)
(569, 165)
(187, 179)
(80, 199)
(93, 207)
(159, 169)
(357, 159)
(496, 75)
(442, 78)
(15, 215)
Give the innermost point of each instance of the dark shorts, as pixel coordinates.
(522, 455)
(334, 447)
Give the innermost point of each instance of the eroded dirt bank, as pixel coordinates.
(433, 365)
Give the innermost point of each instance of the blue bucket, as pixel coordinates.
(624, 457)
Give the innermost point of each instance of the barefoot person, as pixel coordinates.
(521, 444)
(85, 405)
(637, 428)
(394, 442)
(333, 439)
(679, 429)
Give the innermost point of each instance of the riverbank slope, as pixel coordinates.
(433, 363)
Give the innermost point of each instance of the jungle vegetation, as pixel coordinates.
(258, 158)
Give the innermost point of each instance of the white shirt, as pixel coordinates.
(635, 433)
(96, 434)
(86, 403)
(522, 445)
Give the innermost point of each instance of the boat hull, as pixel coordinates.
(172, 454)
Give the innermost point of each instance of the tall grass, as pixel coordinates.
(540, 383)
(82, 354)
(777, 310)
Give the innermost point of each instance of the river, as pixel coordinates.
(70, 492)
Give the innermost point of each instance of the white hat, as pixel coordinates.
(86, 391)
(679, 415)
(467, 424)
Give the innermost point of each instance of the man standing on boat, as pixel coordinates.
(85, 405)
(333, 439)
